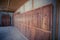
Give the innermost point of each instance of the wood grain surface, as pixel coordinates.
(36, 24)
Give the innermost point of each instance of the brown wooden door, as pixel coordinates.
(5, 20)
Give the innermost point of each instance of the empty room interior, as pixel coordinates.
(29, 19)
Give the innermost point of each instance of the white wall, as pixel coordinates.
(40, 3)
(37, 3)
(28, 5)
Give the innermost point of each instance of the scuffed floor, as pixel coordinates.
(11, 33)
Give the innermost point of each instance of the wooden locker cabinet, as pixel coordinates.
(38, 17)
(36, 24)
(47, 17)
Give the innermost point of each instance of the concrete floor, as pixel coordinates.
(11, 33)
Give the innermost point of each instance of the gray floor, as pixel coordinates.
(11, 33)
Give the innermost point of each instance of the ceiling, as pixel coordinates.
(11, 5)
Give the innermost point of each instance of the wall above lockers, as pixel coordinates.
(33, 4)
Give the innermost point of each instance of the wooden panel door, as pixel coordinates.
(5, 20)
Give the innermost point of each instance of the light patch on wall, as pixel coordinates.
(40, 3)
(28, 5)
(20, 10)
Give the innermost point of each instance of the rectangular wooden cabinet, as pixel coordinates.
(35, 24)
